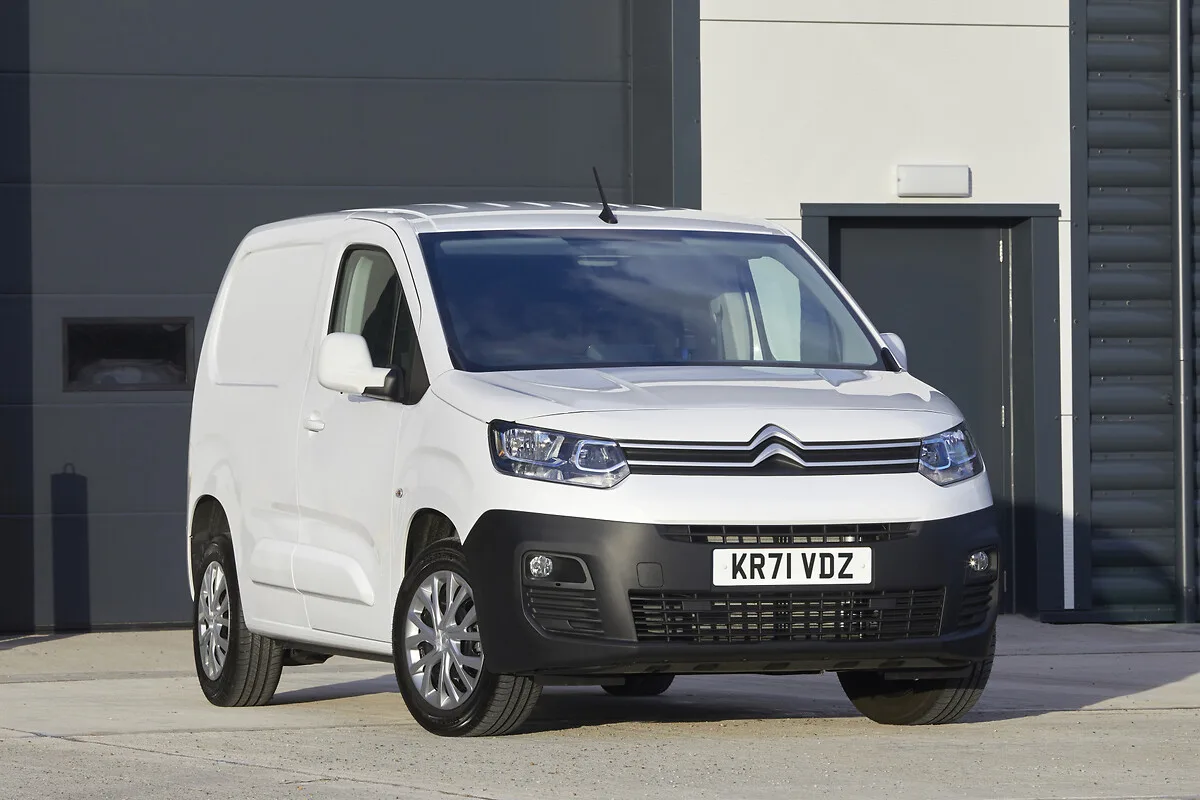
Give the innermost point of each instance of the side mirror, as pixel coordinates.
(344, 365)
(895, 346)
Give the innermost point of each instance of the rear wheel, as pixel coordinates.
(918, 701)
(440, 664)
(235, 667)
(642, 685)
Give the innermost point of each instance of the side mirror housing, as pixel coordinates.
(895, 346)
(344, 365)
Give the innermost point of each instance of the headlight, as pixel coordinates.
(559, 457)
(950, 457)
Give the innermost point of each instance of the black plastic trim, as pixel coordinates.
(334, 651)
(613, 551)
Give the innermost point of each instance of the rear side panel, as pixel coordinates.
(246, 413)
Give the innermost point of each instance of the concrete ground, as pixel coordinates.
(1071, 712)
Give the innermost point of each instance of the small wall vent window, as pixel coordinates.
(125, 355)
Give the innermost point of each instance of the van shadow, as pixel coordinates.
(1098, 667)
(1039, 669)
(363, 687)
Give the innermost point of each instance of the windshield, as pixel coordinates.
(547, 299)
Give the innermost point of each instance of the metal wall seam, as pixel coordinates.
(1184, 301)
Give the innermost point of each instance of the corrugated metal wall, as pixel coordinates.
(141, 141)
(1195, 200)
(1129, 174)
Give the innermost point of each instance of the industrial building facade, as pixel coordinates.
(1007, 186)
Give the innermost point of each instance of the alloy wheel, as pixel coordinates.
(441, 641)
(212, 620)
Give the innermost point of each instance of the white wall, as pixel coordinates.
(818, 101)
(797, 106)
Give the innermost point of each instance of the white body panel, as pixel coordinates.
(249, 387)
(319, 513)
(346, 459)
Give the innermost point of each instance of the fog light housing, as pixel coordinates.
(979, 561)
(540, 566)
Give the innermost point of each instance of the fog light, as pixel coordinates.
(541, 566)
(979, 561)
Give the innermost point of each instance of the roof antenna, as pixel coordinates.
(606, 214)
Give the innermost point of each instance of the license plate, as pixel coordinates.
(792, 566)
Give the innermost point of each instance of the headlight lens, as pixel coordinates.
(950, 457)
(558, 457)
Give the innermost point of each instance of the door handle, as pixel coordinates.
(314, 423)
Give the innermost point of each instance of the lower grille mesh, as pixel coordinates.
(975, 601)
(790, 534)
(743, 617)
(565, 611)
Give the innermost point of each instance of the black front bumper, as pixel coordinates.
(647, 603)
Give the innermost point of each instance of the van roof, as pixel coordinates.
(530, 215)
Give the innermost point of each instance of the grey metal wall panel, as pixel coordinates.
(1135, 282)
(1129, 93)
(1129, 251)
(145, 139)
(1135, 398)
(107, 570)
(262, 131)
(1128, 208)
(14, 144)
(1123, 17)
(16, 489)
(144, 438)
(135, 572)
(1132, 473)
(19, 595)
(126, 239)
(514, 40)
(1195, 291)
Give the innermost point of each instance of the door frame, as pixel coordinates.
(1035, 581)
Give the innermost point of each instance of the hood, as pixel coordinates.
(706, 403)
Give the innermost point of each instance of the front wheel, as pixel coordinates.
(440, 663)
(918, 701)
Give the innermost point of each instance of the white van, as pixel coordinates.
(505, 446)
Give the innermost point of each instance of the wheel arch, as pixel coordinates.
(208, 521)
(426, 527)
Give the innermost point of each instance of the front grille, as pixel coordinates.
(771, 451)
(572, 612)
(746, 617)
(976, 599)
(790, 534)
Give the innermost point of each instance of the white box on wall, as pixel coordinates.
(933, 180)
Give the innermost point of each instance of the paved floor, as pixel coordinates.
(1071, 712)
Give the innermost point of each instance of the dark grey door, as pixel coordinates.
(941, 287)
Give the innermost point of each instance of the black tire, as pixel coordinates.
(253, 663)
(921, 701)
(499, 704)
(642, 685)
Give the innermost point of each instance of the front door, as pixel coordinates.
(942, 287)
(347, 460)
